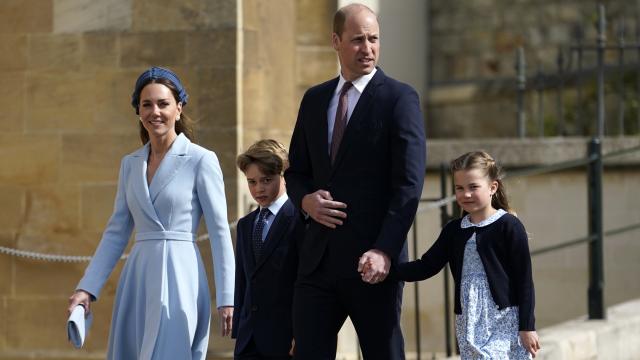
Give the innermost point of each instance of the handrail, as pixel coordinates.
(585, 239)
(564, 165)
(621, 152)
(434, 204)
(33, 255)
(563, 245)
(544, 169)
(622, 229)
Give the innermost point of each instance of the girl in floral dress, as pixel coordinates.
(488, 252)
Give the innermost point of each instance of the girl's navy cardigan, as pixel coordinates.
(504, 251)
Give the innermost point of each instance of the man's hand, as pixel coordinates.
(321, 207)
(226, 319)
(530, 341)
(374, 266)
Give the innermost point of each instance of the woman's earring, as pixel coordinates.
(178, 118)
(140, 118)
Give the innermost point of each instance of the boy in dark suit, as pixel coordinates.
(266, 259)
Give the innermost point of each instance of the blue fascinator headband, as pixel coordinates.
(155, 73)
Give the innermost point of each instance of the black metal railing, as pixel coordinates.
(570, 80)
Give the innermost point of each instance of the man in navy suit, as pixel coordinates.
(266, 258)
(357, 163)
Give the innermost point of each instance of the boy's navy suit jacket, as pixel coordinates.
(264, 290)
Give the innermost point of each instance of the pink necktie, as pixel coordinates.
(340, 122)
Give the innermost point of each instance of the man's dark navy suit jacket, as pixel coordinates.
(378, 172)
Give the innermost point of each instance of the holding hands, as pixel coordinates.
(374, 266)
(321, 207)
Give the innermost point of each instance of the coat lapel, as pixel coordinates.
(169, 166)
(276, 232)
(139, 181)
(358, 116)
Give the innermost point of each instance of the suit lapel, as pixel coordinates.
(357, 117)
(322, 126)
(247, 230)
(139, 181)
(276, 232)
(169, 166)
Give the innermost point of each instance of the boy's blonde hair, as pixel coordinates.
(269, 155)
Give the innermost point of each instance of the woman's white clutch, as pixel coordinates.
(78, 326)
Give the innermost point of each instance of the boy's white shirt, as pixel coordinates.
(277, 204)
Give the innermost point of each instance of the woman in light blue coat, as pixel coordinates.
(162, 308)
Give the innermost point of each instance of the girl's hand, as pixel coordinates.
(530, 341)
(80, 297)
(226, 319)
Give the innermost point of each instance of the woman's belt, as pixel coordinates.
(166, 235)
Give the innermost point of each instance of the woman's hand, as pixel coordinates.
(226, 319)
(80, 297)
(530, 341)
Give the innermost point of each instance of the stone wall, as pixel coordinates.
(268, 99)
(478, 40)
(68, 68)
(316, 61)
